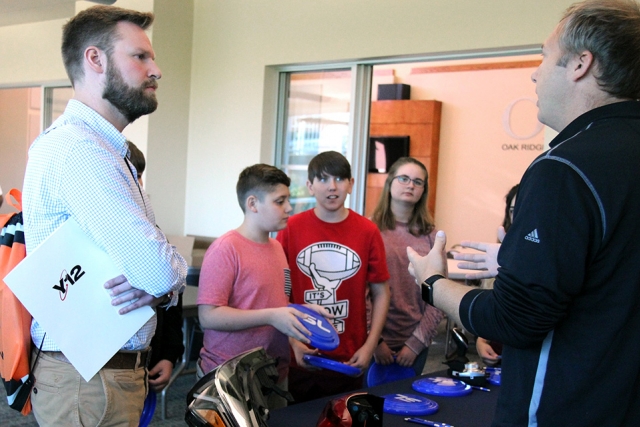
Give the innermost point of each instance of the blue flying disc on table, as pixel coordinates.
(409, 404)
(324, 363)
(381, 374)
(323, 335)
(441, 386)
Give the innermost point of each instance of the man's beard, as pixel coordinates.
(132, 102)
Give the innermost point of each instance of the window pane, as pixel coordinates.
(60, 97)
(55, 102)
(318, 120)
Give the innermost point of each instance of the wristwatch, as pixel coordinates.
(166, 300)
(427, 288)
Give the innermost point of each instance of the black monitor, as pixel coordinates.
(385, 150)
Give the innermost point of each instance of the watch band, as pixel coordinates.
(166, 300)
(427, 288)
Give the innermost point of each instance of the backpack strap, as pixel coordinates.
(17, 195)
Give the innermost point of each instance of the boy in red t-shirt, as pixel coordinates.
(244, 281)
(336, 256)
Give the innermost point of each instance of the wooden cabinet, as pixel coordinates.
(421, 121)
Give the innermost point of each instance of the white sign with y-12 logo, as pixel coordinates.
(61, 283)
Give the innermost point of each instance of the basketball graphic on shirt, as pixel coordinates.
(331, 260)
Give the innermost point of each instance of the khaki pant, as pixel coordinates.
(61, 397)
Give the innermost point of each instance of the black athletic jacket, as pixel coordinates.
(566, 301)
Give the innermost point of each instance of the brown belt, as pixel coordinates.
(120, 360)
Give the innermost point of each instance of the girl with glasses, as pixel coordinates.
(403, 220)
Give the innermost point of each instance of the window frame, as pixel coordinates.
(361, 81)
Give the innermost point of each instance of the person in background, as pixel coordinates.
(244, 281)
(78, 169)
(489, 351)
(167, 342)
(403, 219)
(349, 261)
(566, 299)
(510, 205)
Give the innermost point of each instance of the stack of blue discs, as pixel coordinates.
(324, 363)
(409, 404)
(323, 335)
(441, 386)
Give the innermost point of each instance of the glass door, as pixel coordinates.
(318, 115)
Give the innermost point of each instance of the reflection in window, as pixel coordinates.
(318, 109)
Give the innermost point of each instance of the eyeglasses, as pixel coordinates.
(404, 180)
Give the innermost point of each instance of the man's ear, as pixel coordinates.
(310, 187)
(581, 65)
(96, 59)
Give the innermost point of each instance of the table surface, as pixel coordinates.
(476, 409)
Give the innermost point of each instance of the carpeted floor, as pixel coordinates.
(176, 395)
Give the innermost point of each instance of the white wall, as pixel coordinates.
(234, 42)
(14, 131)
(30, 55)
(166, 179)
(481, 157)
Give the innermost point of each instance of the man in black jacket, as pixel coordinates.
(566, 300)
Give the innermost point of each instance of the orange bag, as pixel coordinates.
(15, 320)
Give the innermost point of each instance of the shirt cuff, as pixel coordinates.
(173, 297)
(415, 345)
(466, 306)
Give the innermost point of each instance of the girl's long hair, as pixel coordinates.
(506, 222)
(421, 221)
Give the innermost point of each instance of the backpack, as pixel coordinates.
(15, 320)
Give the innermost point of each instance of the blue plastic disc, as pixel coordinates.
(494, 376)
(409, 404)
(321, 362)
(441, 386)
(148, 409)
(381, 374)
(323, 335)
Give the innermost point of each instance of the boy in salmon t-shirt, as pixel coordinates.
(336, 256)
(244, 281)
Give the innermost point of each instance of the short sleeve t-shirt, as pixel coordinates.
(243, 274)
(332, 265)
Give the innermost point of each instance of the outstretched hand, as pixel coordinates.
(383, 355)
(486, 352)
(486, 262)
(122, 292)
(435, 262)
(299, 351)
(290, 322)
(405, 357)
(321, 310)
(361, 359)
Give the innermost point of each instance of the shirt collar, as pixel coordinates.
(617, 109)
(98, 124)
